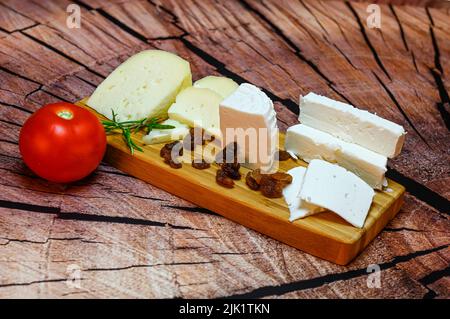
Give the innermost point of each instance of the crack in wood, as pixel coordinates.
(294, 47)
(367, 40)
(437, 53)
(402, 32)
(61, 53)
(89, 217)
(435, 276)
(444, 105)
(120, 220)
(396, 230)
(432, 278)
(397, 104)
(300, 285)
(192, 209)
(17, 107)
(10, 240)
(420, 191)
(153, 265)
(32, 282)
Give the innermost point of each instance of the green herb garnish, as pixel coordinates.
(129, 127)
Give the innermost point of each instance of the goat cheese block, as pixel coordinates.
(351, 124)
(248, 118)
(309, 143)
(334, 188)
(221, 85)
(197, 107)
(157, 136)
(298, 208)
(144, 86)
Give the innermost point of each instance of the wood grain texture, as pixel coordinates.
(130, 239)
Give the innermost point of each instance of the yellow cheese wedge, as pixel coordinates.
(219, 84)
(197, 107)
(143, 86)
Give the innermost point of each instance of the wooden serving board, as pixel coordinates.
(325, 235)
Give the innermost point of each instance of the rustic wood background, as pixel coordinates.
(129, 239)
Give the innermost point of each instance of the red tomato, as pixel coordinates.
(62, 142)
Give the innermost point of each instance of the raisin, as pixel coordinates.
(223, 180)
(270, 187)
(282, 155)
(166, 154)
(173, 164)
(251, 181)
(201, 165)
(282, 177)
(256, 174)
(231, 170)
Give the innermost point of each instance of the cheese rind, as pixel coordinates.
(351, 124)
(298, 208)
(221, 85)
(309, 143)
(157, 136)
(197, 107)
(248, 117)
(333, 187)
(144, 86)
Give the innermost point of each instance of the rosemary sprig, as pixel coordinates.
(129, 127)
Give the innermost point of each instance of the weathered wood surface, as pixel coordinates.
(130, 239)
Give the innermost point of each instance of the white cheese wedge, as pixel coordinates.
(334, 188)
(197, 107)
(143, 86)
(219, 84)
(351, 124)
(157, 136)
(248, 117)
(309, 143)
(298, 208)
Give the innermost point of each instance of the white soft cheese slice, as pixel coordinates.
(248, 117)
(221, 85)
(351, 124)
(143, 86)
(333, 187)
(197, 107)
(298, 208)
(157, 136)
(309, 143)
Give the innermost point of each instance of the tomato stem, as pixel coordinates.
(65, 114)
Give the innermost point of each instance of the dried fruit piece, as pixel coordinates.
(231, 170)
(270, 187)
(282, 177)
(223, 180)
(170, 153)
(282, 155)
(251, 181)
(201, 165)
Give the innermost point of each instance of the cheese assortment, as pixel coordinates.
(144, 86)
(248, 117)
(346, 148)
(219, 84)
(347, 151)
(352, 125)
(309, 144)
